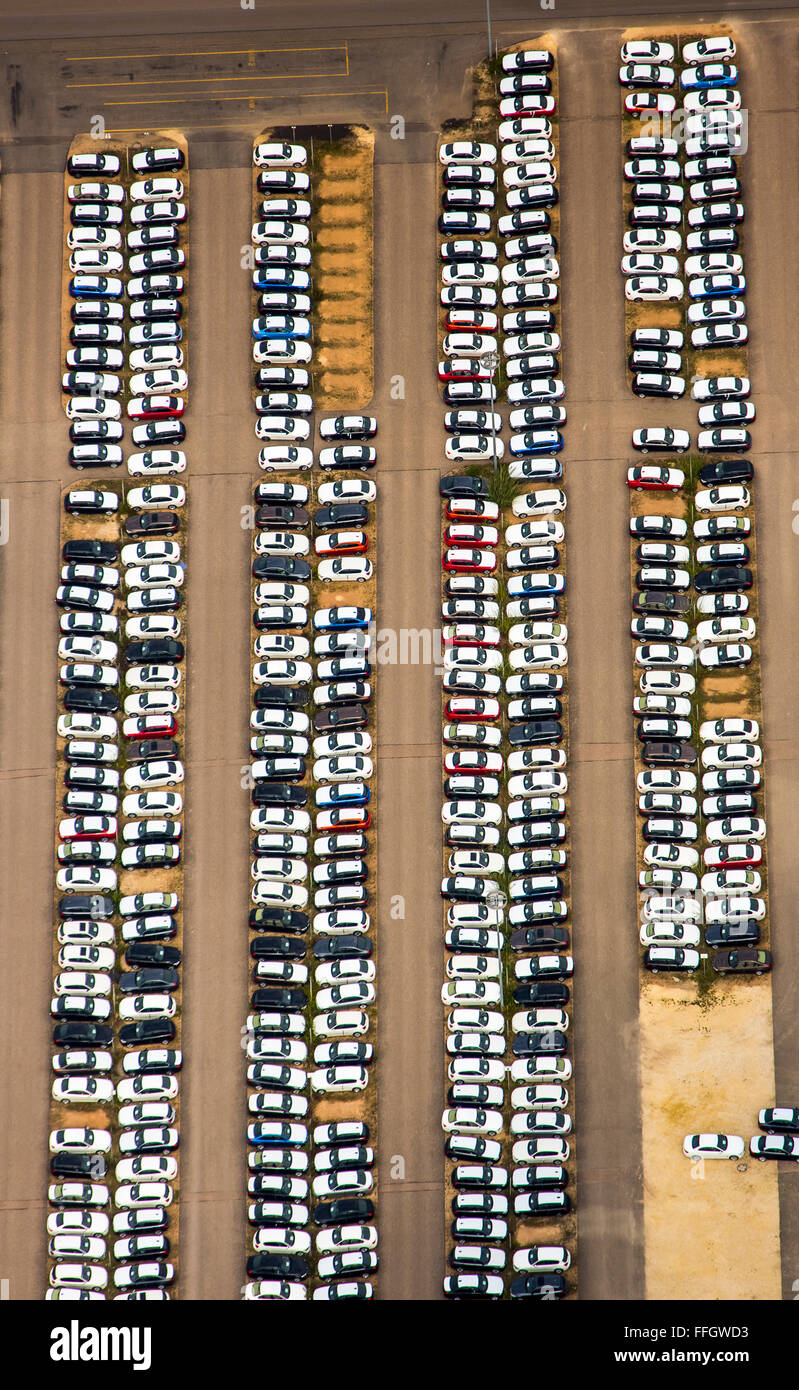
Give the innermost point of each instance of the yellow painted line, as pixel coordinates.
(256, 96)
(206, 53)
(219, 77)
(347, 58)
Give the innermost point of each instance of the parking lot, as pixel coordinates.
(602, 413)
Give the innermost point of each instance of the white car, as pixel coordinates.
(346, 569)
(716, 49)
(467, 152)
(727, 497)
(542, 1259)
(163, 772)
(152, 463)
(661, 438)
(279, 155)
(724, 655)
(154, 496)
(153, 677)
(731, 755)
(285, 458)
(732, 828)
(730, 730)
(80, 1141)
(645, 288)
(138, 1006)
(713, 1146)
(669, 932)
(83, 878)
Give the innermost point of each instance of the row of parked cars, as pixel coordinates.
(311, 775)
(125, 333)
(778, 1138)
(117, 984)
(710, 554)
(683, 237)
(499, 850)
(679, 635)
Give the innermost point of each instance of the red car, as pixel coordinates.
(471, 508)
(463, 369)
(471, 708)
(150, 726)
(528, 104)
(744, 856)
(88, 828)
(156, 407)
(470, 561)
(652, 477)
(343, 818)
(466, 533)
(342, 543)
(466, 320)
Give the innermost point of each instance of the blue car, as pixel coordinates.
(343, 794)
(280, 277)
(339, 619)
(281, 326)
(536, 442)
(720, 283)
(522, 584)
(268, 1133)
(708, 75)
(95, 287)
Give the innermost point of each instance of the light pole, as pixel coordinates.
(492, 362)
(497, 900)
(488, 22)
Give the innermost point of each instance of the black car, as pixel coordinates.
(779, 1119)
(97, 906)
(668, 754)
(147, 748)
(744, 962)
(543, 832)
(652, 527)
(342, 514)
(535, 731)
(147, 1030)
(280, 696)
(160, 432)
(289, 769)
(152, 524)
(651, 601)
(83, 1034)
(276, 948)
(152, 953)
(538, 886)
(145, 1219)
(155, 649)
(344, 1211)
(340, 717)
(281, 516)
(723, 579)
(726, 471)
(742, 933)
(277, 1267)
(91, 700)
(68, 1165)
(278, 794)
(95, 552)
(542, 992)
(544, 1044)
(153, 980)
(538, 1286)
(540, 938)
(278, 919)
(278, 997)
(342, 947)
(462, 485)
(284, 567)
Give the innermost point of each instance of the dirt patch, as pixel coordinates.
(698, 1243)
